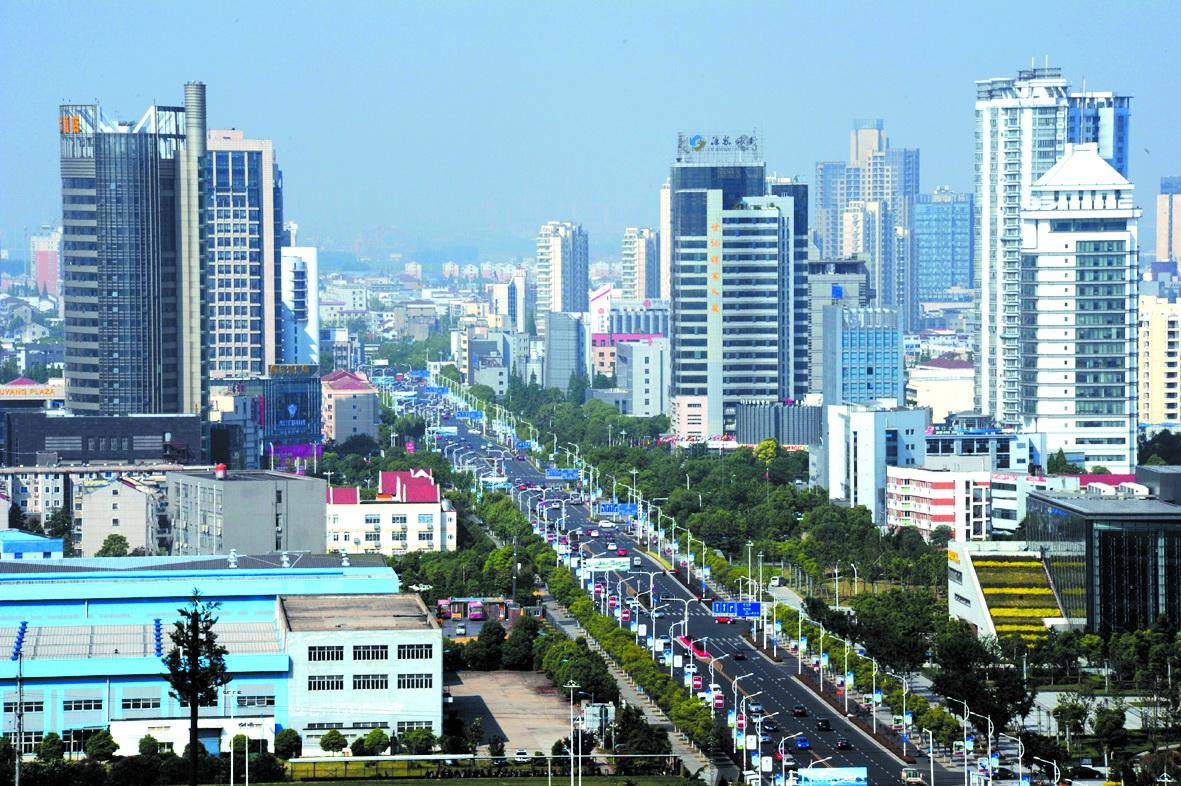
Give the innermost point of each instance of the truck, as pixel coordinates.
(912, 777)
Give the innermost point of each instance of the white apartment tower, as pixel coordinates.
(1022, 128)
(1077, 311)
(563, 270)
(299, 304)
(641, 264)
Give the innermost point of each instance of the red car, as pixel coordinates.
(724, 620)
(621, 552)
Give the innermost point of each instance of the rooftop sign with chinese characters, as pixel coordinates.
(718, 148)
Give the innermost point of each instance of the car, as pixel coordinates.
(637, 562)
(621, 552)
(802, 744)
(764, 738)
(823, 724)
(724, 620)
(522, 486)
(789, 762)
(799, 711)
(843, 744)
(715, 687)
(739, 655)
(755, 708)
(594, 533)
(691, 668)
(770, 725)
(520, 457)
(521, 756)
(461, 629)
(664, 640)
(611, 545)
(632, 601)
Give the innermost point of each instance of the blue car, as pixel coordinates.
(802, 744)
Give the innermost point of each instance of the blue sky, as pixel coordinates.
(438, 125)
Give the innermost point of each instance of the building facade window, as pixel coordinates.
(371, 681)
(142, 704)
(82, 705)
(415, 681)
(325, 682)
(416, 651)
(371, 652)
(323, 653)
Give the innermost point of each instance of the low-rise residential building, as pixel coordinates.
(927, 499)
(251, 511)
(133, 507)
(409, 513)
(350, 405)
(40, 490)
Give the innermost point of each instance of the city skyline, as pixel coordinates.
(525, 145)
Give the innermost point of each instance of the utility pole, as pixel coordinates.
(20, 714)
(516, 567)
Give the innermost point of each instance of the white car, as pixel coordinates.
(611, 545)
(521, 756)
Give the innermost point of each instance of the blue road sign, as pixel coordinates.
(725, 608)
(437, 390)
(749, 610)
(469, 414)
(420, 373)
(523, 444)
(561, 473)
(618, 508)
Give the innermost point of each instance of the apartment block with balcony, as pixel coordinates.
(927, 499)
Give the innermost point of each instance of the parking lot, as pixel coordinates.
(522, 707)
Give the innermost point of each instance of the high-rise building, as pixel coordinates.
(1159, 318)
(1077, 311)
(1168, 220)
(863, 357)
(132, 259)
(243, 239)
(563, 270)
(640, 263)
(299, 304)
(831, 282)
(864, 207)
(1022, 127)
(45, 260)
(943, 238)
(665, 239)
(732, 252)
(792, 187)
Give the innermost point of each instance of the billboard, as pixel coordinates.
(607, 563)
(834, 776)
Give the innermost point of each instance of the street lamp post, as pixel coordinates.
(964, 727)
(711, 667)
(931, 752)
(734, 685)
(1054, 764)
(571, 686)
(783, 755)
(905, 726)
(1020, 752)
(988, 744)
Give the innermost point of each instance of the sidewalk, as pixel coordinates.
(693, 758)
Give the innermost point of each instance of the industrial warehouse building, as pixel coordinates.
(315, 643)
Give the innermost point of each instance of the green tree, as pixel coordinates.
(101, 746)
(418, 741)
(51, 748)
(196, 666)
(59, 525)
(376, 741)
(767, 451)
(1058, 465)
(114, 545)
(484, 654)
(16, 517)
(517, 652)
(149, 746)
(1108, 722)
(475, 733)
(333, 741)
(576, 388)
(288, 744)
(358, 747)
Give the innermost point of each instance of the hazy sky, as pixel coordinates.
(438, 125)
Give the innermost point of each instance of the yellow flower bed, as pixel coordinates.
(1014, 612)
(1019, 628)
(989, 563)
(1018, 591)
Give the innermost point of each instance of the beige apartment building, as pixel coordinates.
(350, 405)
(1158, 336)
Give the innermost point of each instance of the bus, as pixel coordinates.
(475, 610)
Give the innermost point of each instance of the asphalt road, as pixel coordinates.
(760, 679)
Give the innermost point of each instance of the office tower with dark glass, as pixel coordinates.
(732, 299)
(243, 219)
(791, 187)
(943, 238)
(1023, 125)
(132, 258)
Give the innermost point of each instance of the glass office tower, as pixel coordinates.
(131, 259)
